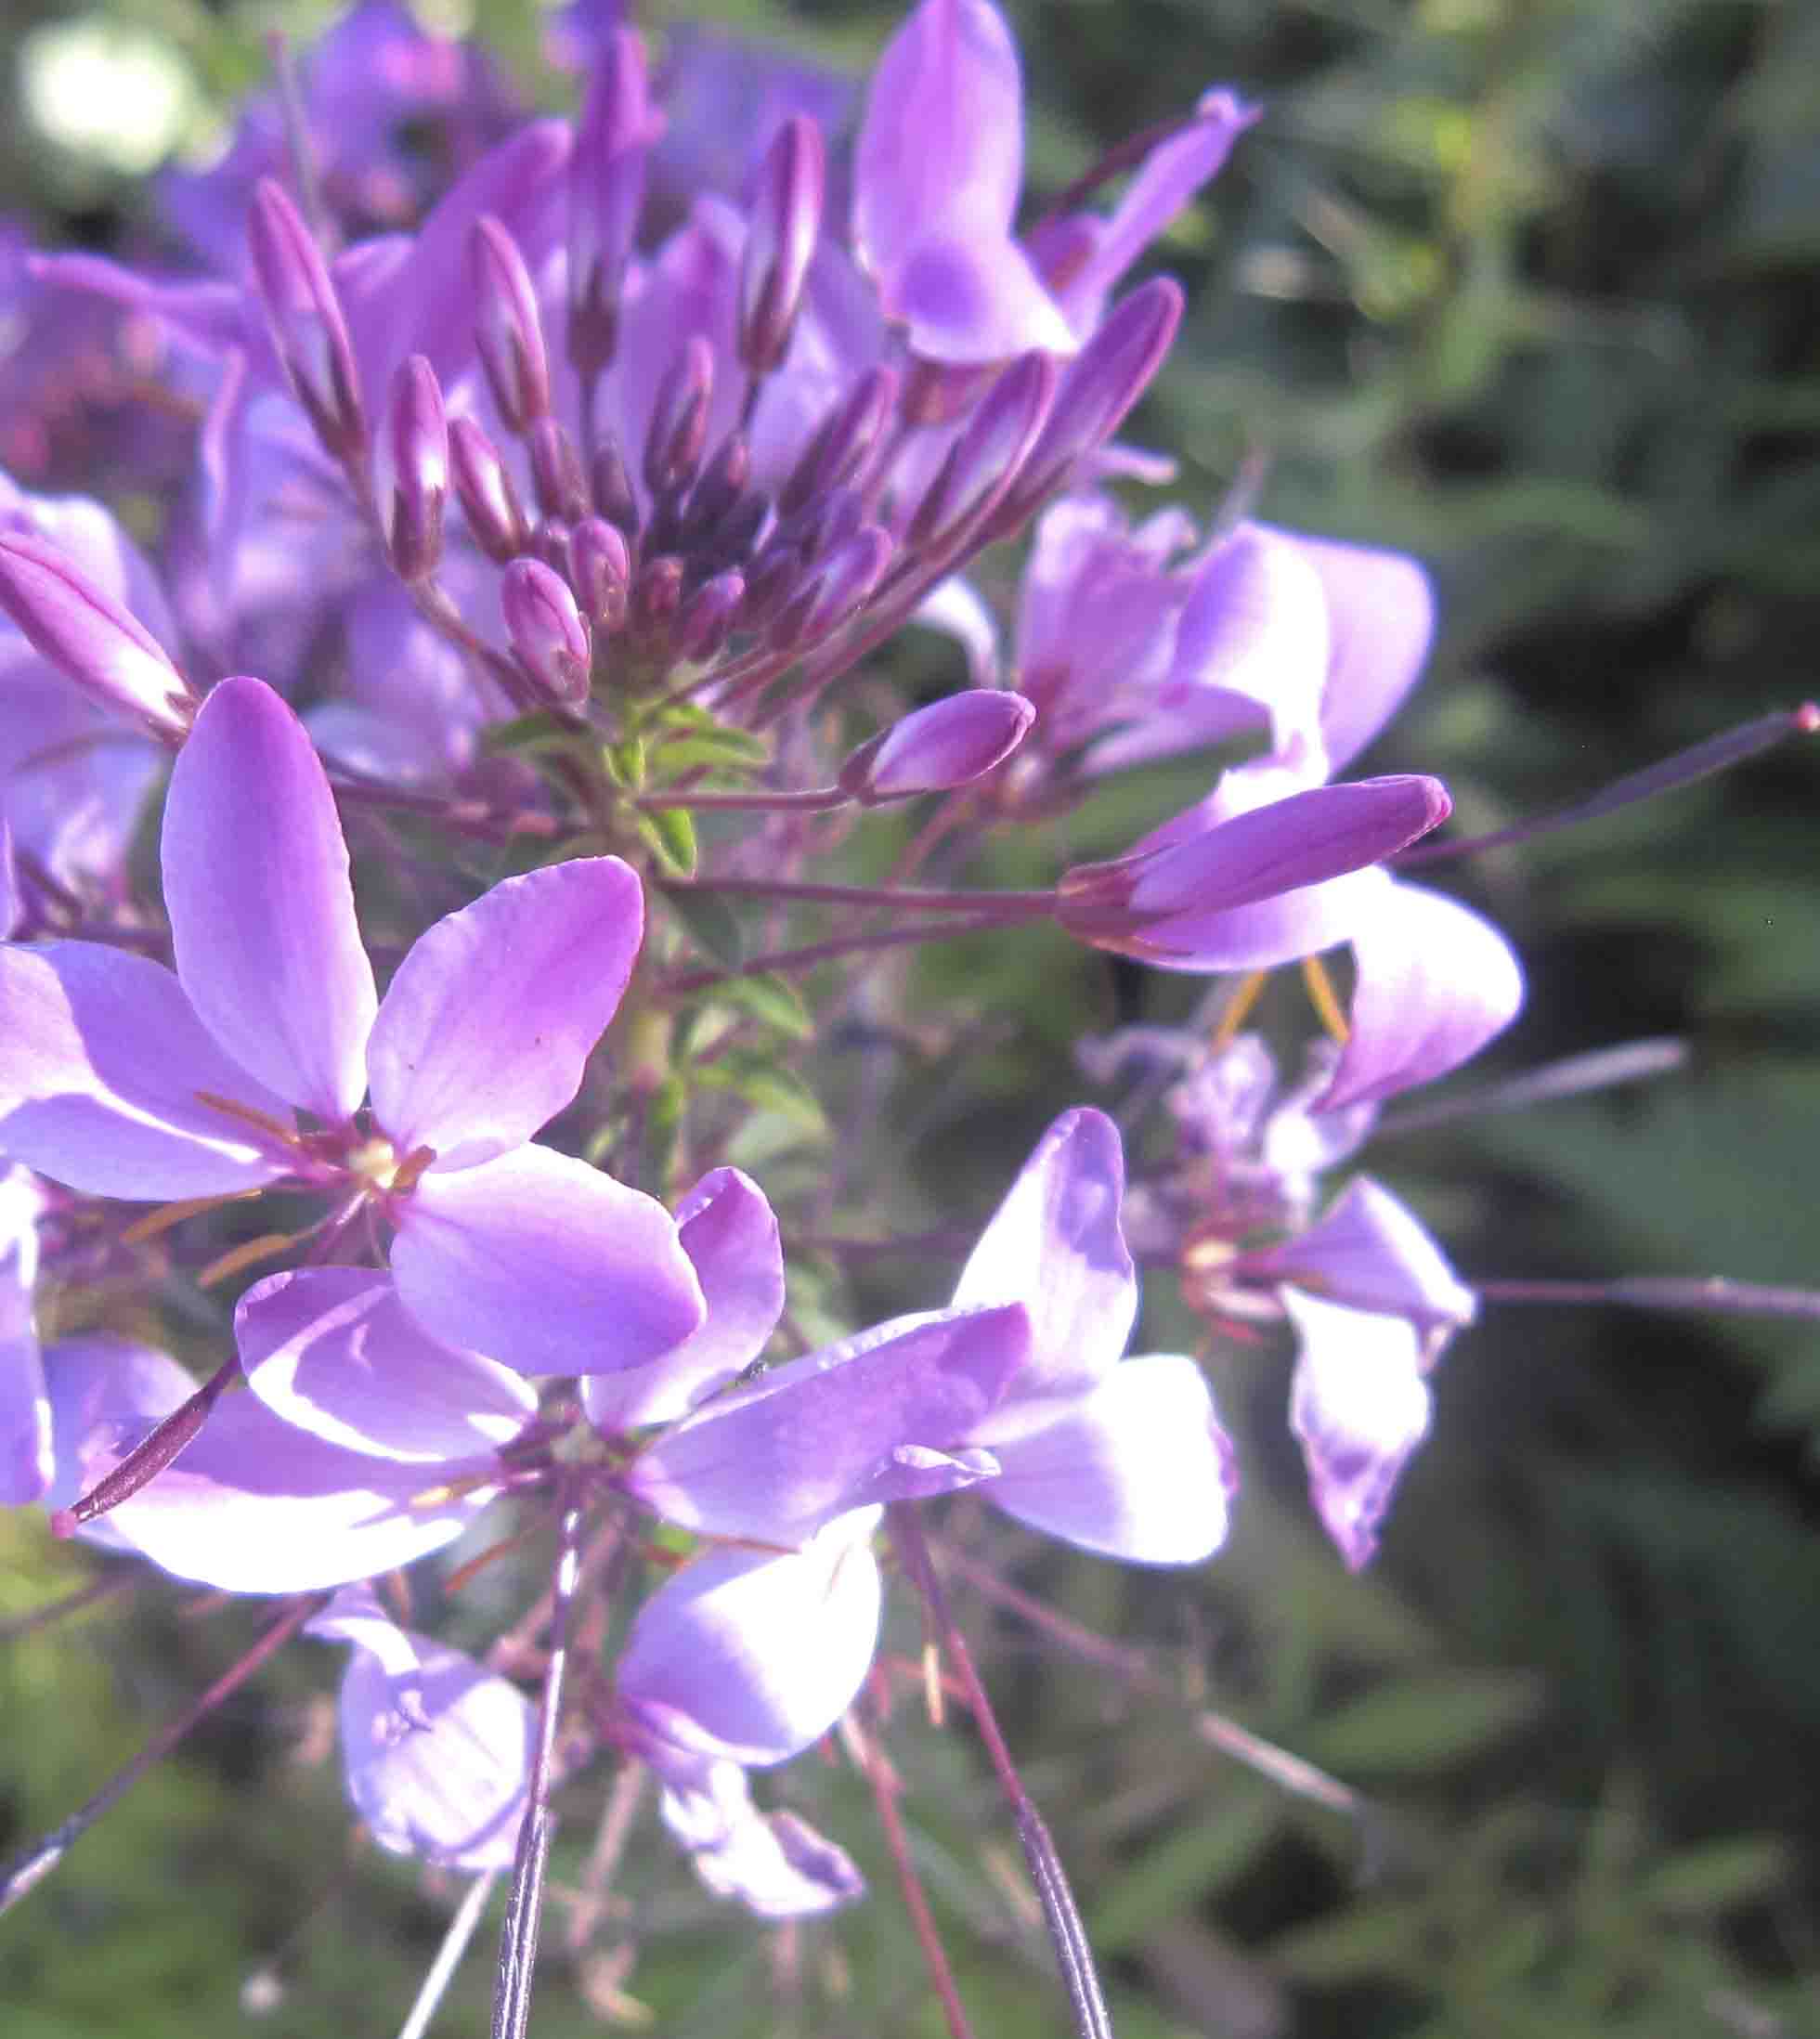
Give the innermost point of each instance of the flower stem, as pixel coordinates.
(785, 961)
(1067, 1932)
(1664, 1292)
(1000, 906)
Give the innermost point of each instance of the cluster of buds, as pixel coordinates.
(539, 559)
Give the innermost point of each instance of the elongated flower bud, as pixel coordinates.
(90, 639)
(1164, 896)
(679, 419)
(490, 502)
(617, 128)
(707, 618)
(841, 442)
(562, 487)
(410, 471)
(842, 583)
(786, 218)
(983, 462)
(1103, 381)
(614, 495)
(948, 744)
(305, 315)
(507, 329)
(657, 597)
(548, 638)
(600, 572)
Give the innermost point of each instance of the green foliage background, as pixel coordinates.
(1521, 285)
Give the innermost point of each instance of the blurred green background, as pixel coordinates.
(1527, 287)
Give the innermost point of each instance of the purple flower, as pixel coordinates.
(438, 1752)
(26, 1461)
(127, 1081)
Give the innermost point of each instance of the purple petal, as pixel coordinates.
(438, 1752)
(253, 1505)
(261, 913)
(26, 1464)
(703, 1673)
(490, 1019)
(973, 299)
(1139, 1470)
(1380, 621)
(773, 1862)
(1371, 1251)
(1167, 180)
(9, 900)
(949, 742)
(880, 1417)
(105, 1067)
(545, 1263)
(1436, 982)
(1360, 1405)
(941, 144)
(333, 1351)
(730, 1234)
(1055, 1245)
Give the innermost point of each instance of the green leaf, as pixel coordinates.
(770, 1000)
(670, 834)
(1420, 1723)
(537, 731)
(760, 1082)
(1719, 1876)
(710, 922)
(625, 764)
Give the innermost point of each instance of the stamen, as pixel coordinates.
(933, 1703)
(248, 1253)
(1320, 994)
(168, 1215)
(410, 1170)
(276, 1127)
(1250, 989)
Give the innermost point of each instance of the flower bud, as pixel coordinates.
(507, 330)
(983, 462)
(614, 495)
(948, 744)
(549, 542)
(841, 583)
(841, 442)
(562, 487)
(786, 218)
(617, 128)
(1167, 894)
(1103, 381)
(656, 596)
(489, 502)
(720, 486)
(548, 638)
(679, 419)
(410, 471)
(90, 639)
(305, 315)
(600, 572)
(708, 618)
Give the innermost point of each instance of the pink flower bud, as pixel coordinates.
(707, 618)
(548, 638)
(841, 442)
(679, 419)
(507, 329)
(90, 639)
(489, 502)
(305, 316)
(562, 487)
(786, 218)
(600, 571)
(983, 462)
(617, 128)
(842, 583)
(948, 744)
(410, 471)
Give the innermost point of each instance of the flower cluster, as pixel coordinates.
(511, 643)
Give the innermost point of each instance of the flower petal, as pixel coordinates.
(1380, 622)
(879, 1417)
(26, 1464)
(730, 1234)
(262, 914)
(1371, 1251)
(1140, 1470)
(438, 1752)
(1436, 982)
(545, 1263)
(333, 1351)
(773, 1862)
(1055, 1245)
(488, 1024)
(703, 1673)
(253, 1505)
(105, 1067)
(1360, 1405)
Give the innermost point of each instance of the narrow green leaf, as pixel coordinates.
(670, 834)
(769, 999)
(708, 921)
